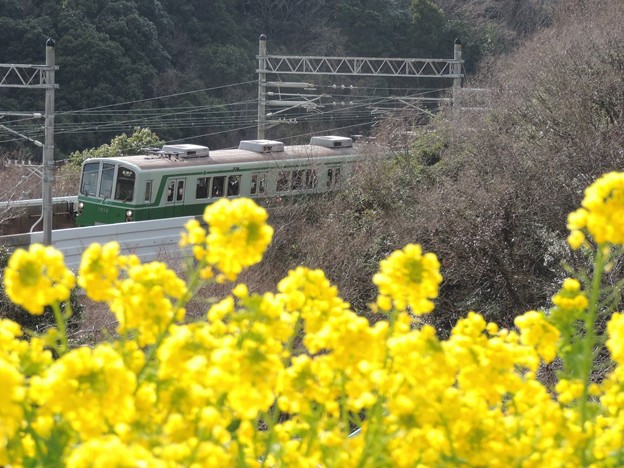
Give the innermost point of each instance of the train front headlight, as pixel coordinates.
(129, 215)
(80, 207)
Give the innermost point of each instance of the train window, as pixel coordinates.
(180, 193)
(124, 189)
(254, 184)
(201, 191)
(89, 179)
(297, 180)
(311, 179)
(218, 186)
(106, 184)
(282, 181)
(233, 188)
(258, 183)
(170, 189)
(262, 183)
(333, 177)
(148, 191)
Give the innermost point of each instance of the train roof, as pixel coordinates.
(229, 156)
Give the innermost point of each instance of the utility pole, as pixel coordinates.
(457, 81)
(38, 77)
(261, 87)
(48, 146)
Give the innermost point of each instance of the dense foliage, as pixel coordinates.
(121, 55)
(482, 185)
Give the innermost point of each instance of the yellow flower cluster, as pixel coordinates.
(12, 383)
(537, 332)
(142, 302)
(237, 238)
(570, 303)
(95, 381)
(602, 212)
(140, 295)
(99, 271)
(570, 298)
(407, 278)
(284, 378)
(37, 277)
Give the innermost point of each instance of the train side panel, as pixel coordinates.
(168, 189)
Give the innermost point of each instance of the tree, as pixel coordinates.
(432, 37)
(120, 145)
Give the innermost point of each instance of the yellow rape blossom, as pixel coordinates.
(410, 279)
(615, 342)
(10, 331)
(108, 451)
(143, 301)
(195, 237)
(537, 332)
(309, 294)
(570, 297)
(238, 235)
(568, 390)
(569, 303)
(96, 381)
(99, 270)
(602, 212)
(11, 410)
(37, 277)
(283, 379)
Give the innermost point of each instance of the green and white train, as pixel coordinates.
(180, 180)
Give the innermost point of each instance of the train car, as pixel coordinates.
(180, 180)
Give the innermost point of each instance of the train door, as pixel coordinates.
(174, 203)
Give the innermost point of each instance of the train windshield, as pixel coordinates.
(124, 189)
(103, 179)
(106, 184)
(90, 172)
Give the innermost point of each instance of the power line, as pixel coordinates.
(219, 114)
(163, 97)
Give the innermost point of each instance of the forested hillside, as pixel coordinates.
(487, 188)
(120, 58)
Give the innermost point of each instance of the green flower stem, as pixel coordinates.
(373, 435)
(290, 345)
(40, 446)
(62, 328)
(271, 419)
(201, 437)
(590, 338)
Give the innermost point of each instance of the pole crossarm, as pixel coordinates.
(362, 66)
(25, 76)
(269, 65)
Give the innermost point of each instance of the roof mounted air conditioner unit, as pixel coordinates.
(186, 150)
(261, 146)
(331, 141)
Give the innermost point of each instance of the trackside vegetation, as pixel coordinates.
(295, 377)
